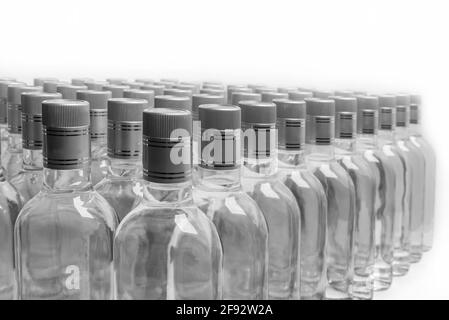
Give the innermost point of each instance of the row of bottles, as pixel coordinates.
(170, 190)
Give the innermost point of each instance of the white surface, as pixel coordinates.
(379, 46)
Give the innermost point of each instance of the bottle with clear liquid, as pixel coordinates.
(98, 101)
(416, 164)
(277, 203)
(340, 192)
(28, 181)
(426, 149)
(64, 235)
(122, 186)
(309, 194)
(166, 248)
(12, 156)
(364, 183)
(4, 83)
(218, 192)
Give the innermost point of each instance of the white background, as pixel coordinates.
(379, 46)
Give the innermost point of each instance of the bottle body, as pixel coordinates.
(99, 163)
(167, 250)
(12, 156)
(282, 216)
(3, 136)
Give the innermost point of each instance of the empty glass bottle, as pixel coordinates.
(12, 156)
(416, 163)
(98, 102)
(218, 192)
(309, 194)
(341, 206)
(166, 248)
(364, 183)
(426, 149)
(122, 187)
(277, 203)
(63, 236)
(28, 181)
(4, 83)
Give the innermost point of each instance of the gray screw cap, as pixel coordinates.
(170, 80)
(270, 96)
(213, 86)
(52, 86)
(173, 102)
(220, 117)
(236, 97)
(145, 80)
(200, 99)
(125, 127)
(299, 95)
(133, 84)
(69, 91)
(147, 95)
(98, 101)
(39, 82)
(96, 85)
(166, 85)
(32, 118)
(323, 94)
(387, 112)
(345, 93)
(116, 81)
(402, 110)
(158, 89)
(291, 124)
(320, 123)
(66, 134)
(231, 90)
(345, 117)
(254, 112)
(15, 91)
(14, 115)
(116, 90)
(187, 86)
(415, 105)
(367, 114)
(4, 99)
(178, 92)
(167, 134)
(81, 81)
(287, 89)
(214, 92)
(264, 89)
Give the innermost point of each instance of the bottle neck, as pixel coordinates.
(347, 145)
(98, 147)
(291, 159)
(320, 153)
(15, 142)
(218, 180)
(402, 132)
(60, 181)
(168, 193)
(124, 168)
(367, 141)
(261, 167)
(32, 159)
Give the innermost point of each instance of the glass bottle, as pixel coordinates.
(64, 235)
(309, 194)
(416, 163)
(341, 206)
(28, 181)
(98, 102)
(218, 192)
(122, 187)
(166, 247)
(363, 179)
(12, 157)
(277, 203)
(4, 83)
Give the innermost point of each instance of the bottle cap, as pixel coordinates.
(166, 85)
(125, 127)
(50, 86)
(220, 136)
(173, 102)
(236, 97)
(387, 112)
(415, 105)
(4, 98)
(232, 89)
(214, 92)
(145, 80)
(320, 122)
(158, 89)
(367, 114)
(116, 81)
(213, 86)
(262, 89)
(68, 91)
(187, 86)
(178, 92)
(169, 80)
(147, 95)
(39, 82)
(117, 90)
(345, 117)
(81, 81)
(96, 85)
(287, 89)
(299, 95)
(133, 84)
(345, 93)
(32, 118)
(98, 102)
(15, 106)
(402, 110)
(166, 145)
(322, 94)
(65, 134)
(270, 96)
(200, 99)
(291, 124)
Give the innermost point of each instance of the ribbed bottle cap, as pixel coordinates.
(232, 89)
(178, 92)
(323, 94)
(68, 91)
(415, 105)
(116, 90)
(166, 85)
(98, 101)
(81, 81)
(96, 85)
(214, 92)
(133, 84)
(345, 117)
(344, 93)
(125, 127)
(173, 102)
(166, 145)
(187, 86)
(147, 95)
(52, 86)
(299, 95)
(367, 114)
(145, 80)
(4, 84)
(236, 97)
(39, 82)
(4, 99)
(320, 123)
(220, 132)
(264, 89)
(256, 112)
(402, 110)
(15, 106)
(213, 86)
(169, 80)
(291, 123)
(387, 112)
(15, 91)
(32, 118)
(66, 134)
(116, 81)
(270, 96)
(287, 89)
(158, 89)
(200, 99)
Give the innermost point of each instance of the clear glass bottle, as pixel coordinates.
(426, 149)
(309, 194)
(12, 156)
(277, 203)
(64, 235)
(166, 247)
(98, 101)
(4, 83)
(340, 192)
(218, 192)
(416, 163)
(122, 186)
(28, 181)
(364, 183)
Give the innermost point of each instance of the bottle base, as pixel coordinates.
(400, 270)
(337, 291)
(415, 257)
(383, 277)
